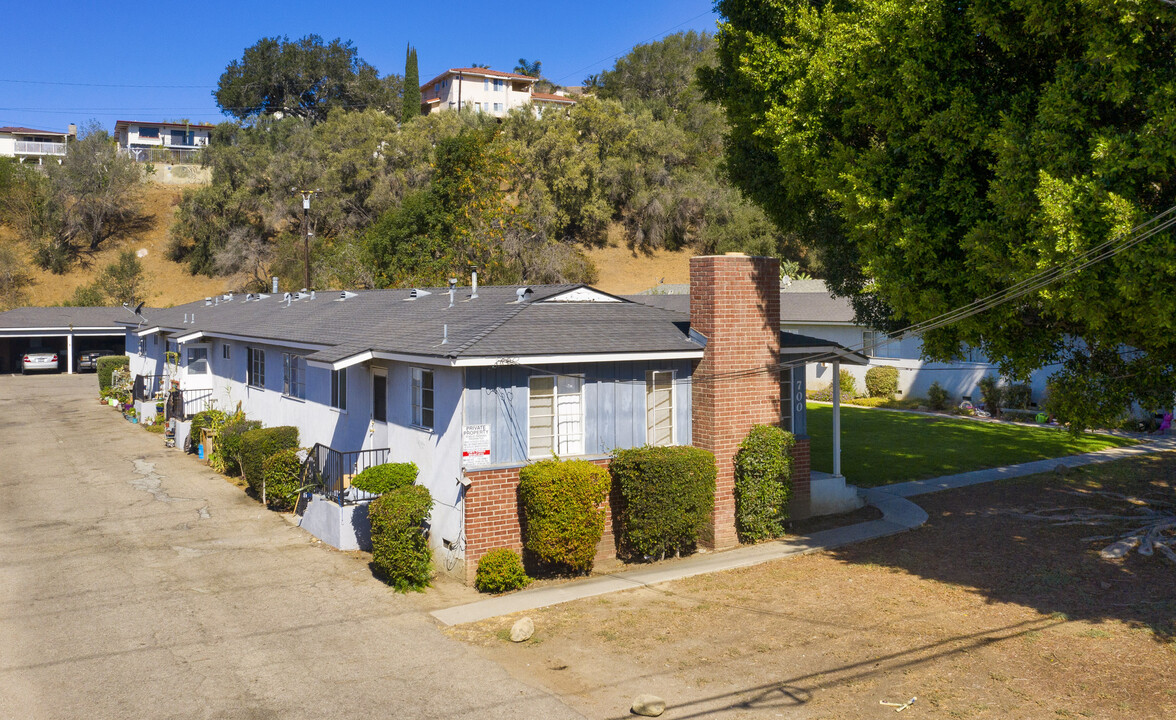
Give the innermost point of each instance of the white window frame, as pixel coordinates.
(294, 376)
(673, 404)
(207, 358)
(339, 390)
(253, 368)
(875, 340)
(418, 399)
(555, 438)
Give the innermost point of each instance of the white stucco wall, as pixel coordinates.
(915, 375)
(474, 89)
(7, 146)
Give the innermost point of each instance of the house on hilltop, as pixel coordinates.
(489, 91)
(35, 146)
(162, 141)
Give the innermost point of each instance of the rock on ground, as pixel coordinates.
(522, 630)
(648, 705)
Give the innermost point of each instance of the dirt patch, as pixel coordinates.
(625, 271)
(980, 614)
(168, 283)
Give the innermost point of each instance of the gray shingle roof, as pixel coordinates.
(804, 301)
(492, 325)
(63, 317)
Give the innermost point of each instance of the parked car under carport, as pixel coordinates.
(39, 362)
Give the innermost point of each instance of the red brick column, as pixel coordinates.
(801, 475)
(735, 304)
(493, 518)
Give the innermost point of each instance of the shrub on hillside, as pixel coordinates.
(228, 444)
(882, 381)
(763, 483)
(380, 479)
(562, 511)
(937, 397)
(283, 479)
(501, 571)
(665, 496)
(400, 550)
(106, 365)
(257, 445)
(991, 394)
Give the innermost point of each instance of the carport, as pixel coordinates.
(68, 331)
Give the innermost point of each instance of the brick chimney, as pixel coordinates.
(735, 304)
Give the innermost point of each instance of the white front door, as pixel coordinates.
(195, 372)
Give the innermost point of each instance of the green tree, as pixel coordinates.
(122, 281)
(412, 84)
(14, 277)
(304, 78)
(941, 151)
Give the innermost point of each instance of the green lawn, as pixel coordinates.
(879, 447)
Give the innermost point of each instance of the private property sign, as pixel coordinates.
(475, 445)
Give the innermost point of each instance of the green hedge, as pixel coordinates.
(228, 443)
(257, 445)
(107, 364)
(563, 517)
(283, 479)
(763, 483)
(501, 571)
(1018, 396)
(400, 550)
(665, 496)
(991, 394)
(386, 478)
(882, 381)
(848, 383)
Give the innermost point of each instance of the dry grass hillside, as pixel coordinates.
(168, 283)
(621, 270)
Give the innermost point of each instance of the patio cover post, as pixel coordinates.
(837, 418)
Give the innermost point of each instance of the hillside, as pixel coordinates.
(622, 271)
(168, 283)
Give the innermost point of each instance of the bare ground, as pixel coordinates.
(979, 614)
(624, 271)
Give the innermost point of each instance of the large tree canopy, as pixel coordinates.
(942, 150)
(305, 78)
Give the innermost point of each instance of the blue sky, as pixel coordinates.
(77, 61)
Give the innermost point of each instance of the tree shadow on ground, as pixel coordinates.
(975, 539)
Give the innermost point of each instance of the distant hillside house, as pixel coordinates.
(483, 90)
(29, 145)
(161, 141)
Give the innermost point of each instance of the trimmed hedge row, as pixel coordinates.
(882, 381)
(400, 549)
(283, 479)
(386, 478)
(665, 497)
(763, 483)
(563, 514)
(228, 440)
(260, 443)
(106, 365)
(206, 419)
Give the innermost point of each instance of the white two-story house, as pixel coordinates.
(484, 90)
(173, 142)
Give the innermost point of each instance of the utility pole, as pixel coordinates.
(306, 233)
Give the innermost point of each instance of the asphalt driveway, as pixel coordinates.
(135, 583)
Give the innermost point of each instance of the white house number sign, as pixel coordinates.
(475, 446)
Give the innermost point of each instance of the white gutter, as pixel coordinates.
(368, 355)
(190, 337)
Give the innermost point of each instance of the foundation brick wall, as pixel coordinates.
(801, 475)
(735, 303)
(493, 516)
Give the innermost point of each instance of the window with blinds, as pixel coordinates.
(555, 415)
(659, 407)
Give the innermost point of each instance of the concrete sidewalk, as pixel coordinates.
(898, 515)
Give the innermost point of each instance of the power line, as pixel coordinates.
(104, 85)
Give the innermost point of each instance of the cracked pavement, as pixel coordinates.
(136, 583)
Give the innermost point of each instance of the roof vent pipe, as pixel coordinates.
(445, 335)
(474, 281)
(312, 294)
(185, 318)
(275, 284)
(207, 301)
(452, 290)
